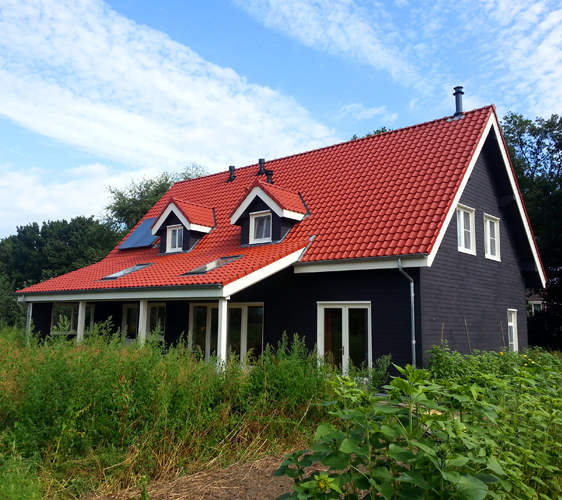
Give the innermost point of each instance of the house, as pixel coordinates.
(386, 244)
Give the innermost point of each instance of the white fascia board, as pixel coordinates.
(261, 274)
(172, 207)
(126, 295)
(453, 208)
(491, 125)
(360, 265)
(519, 201)
(257, 192)
(288, 214)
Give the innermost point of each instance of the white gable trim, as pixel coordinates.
(173, 208)
(491, 125)
(257, 192)
(360, 264)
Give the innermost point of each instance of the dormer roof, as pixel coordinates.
(192, 216)
(283, 202)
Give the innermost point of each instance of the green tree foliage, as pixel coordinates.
(535, 148)
(381, 130)
(11, 312)
(36, 253)
(130, 204)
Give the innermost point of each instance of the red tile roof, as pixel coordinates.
(384, 195)
(195, 214)
(287, 200)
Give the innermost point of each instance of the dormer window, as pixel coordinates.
(260, 227)
(174, 238)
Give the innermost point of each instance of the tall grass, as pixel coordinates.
(101, 415)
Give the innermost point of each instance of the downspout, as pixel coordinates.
(412, 311)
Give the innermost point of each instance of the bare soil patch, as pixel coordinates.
(247, 481)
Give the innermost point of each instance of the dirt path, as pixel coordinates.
(250, 481)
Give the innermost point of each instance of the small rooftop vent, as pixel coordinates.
(458, 100)
(261, 171)
(231, 177)
(269, 176)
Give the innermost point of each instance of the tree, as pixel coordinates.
(535, 148)
(381, 130)
(130, 204)
(36, 253)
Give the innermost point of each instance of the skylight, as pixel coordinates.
(129, 270)
(221, 261)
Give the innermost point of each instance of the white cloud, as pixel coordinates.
(341, 27)
(76, 71)
(358, 112)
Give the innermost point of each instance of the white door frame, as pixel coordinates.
(345, 306)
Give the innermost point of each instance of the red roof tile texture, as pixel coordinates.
(385, 195)
(195, 214)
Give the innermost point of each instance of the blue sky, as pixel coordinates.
(94, 94)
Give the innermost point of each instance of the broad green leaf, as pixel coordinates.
(336, 460)
(403, 385)
(400, 454)
(350, 446)
(471, 488)
(452, 477)
(387, 409)
(457, 461)
(414, 478)
(494, 466)
(386, 490)
(382, 474)
(488, 478)
(323, 430)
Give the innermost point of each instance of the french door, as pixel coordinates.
(344, 333)
(244, 329)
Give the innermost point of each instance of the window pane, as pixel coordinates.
(262, 227)
(466, 217)
(214, 330)
(199, 328)
(333, 334)
(459, 228)
(234, 329)
(492, 236)
(157, 316)
(132, 322)
(180, 238)
(358, 342)
(174, 242)
(255, 330)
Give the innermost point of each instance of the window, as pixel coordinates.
(244, 329)
(64, 320)
(221, 261)
(512, 330)
(344, 333)
(130, 323)
(492, 237)
(157, 318)
(129, 270)
(465, 230)
(174, 239)
(535, 306)
(260, 227)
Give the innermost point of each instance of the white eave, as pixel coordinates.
(173, 208)
(257, 192)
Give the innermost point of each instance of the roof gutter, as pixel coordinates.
(412, 311)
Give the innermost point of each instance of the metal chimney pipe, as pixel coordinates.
(231, 171)
(458, 100)
(269, 175)
(261, 171)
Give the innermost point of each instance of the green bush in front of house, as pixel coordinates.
(469, 428)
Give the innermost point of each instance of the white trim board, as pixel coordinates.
(172, 207)
(360, 265)
(257, 192)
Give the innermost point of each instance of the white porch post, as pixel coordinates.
(222, 341)
(81, 321)
(28, 321)
(143, 321)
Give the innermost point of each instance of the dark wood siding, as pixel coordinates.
(177, 317)
(461, 287)
(109, 310)
(290, 305)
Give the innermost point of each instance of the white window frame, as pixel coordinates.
(461, 236)
(169, 230)
(533, 303)
(345, 306)
(487, 239)
(253, 217)
(243, 327)
(513, 338)
(73, 318)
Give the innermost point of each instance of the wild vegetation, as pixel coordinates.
(487, 425)
(102, 416)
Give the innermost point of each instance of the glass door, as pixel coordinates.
(344, 333)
